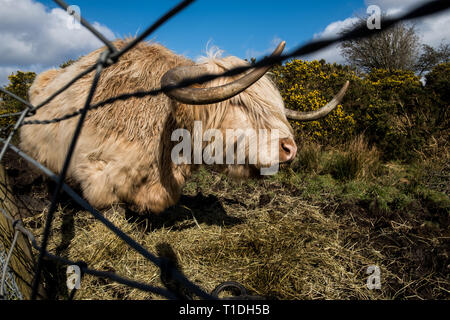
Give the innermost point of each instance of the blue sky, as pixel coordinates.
(34, 34)
(240, 27)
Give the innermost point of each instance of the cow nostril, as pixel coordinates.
(286, 148)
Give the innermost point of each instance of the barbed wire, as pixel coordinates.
(85, 205)
(108, 57)
(311, 47)
(83, 266)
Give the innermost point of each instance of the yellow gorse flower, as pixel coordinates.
(301, 84)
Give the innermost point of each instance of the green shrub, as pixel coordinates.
(392, 109)
(19, 84)
(438, 83)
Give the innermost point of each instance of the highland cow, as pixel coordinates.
(123, 154)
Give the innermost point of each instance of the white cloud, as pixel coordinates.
(274, 42)
(332, 53)
(432, 29)
(35, 38)
(333, 29)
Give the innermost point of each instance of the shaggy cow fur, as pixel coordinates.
(123, 152)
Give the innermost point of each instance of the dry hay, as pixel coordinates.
(285, 237)
(257, 233)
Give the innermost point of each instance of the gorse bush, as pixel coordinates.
(391, 108)
(390, 112)
(438, 82)
(19, 84)
(301, 84)
(438, 89)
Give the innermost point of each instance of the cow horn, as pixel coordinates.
(322, 112)
(209, 95)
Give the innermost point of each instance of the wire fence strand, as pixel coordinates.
(311, 47)
(108, 57)
(88, 26)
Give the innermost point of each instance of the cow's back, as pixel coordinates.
(119, 153)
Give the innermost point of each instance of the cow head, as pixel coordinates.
(247, 111)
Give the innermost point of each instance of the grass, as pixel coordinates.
(309, 232)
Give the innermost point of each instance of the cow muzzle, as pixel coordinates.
(287, 149)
